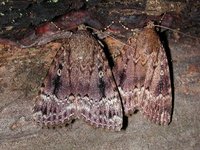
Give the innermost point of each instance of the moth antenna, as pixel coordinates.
(162, 18)
(107, 34)
(55, 25)
(170, 29)
(107, 27)
(164, 27)
(174, 30)
(125, 27)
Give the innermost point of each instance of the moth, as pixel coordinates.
(142, 75)
(81, 83)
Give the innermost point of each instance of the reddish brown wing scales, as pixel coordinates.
(142, 75)
(79, 84)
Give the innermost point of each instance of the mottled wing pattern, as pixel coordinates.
(79, 84)
(142, 75)
(52, 106)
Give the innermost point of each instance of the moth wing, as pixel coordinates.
(156, 103)
(51, 106)
(80, 85)
(99, 103)
(102, 106)
(142, 74)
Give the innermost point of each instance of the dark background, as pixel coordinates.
(17, 16)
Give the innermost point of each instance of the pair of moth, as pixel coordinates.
(81, 83)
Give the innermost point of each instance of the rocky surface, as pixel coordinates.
(22, 72)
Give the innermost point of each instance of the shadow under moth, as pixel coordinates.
(81, 84)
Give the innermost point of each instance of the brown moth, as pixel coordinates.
(79, 84)
(142, 74)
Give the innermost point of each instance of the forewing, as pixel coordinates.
(80, 85)
(142, 75)
(53, 106)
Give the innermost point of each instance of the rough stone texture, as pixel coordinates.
(18, 16)
(22, 72)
